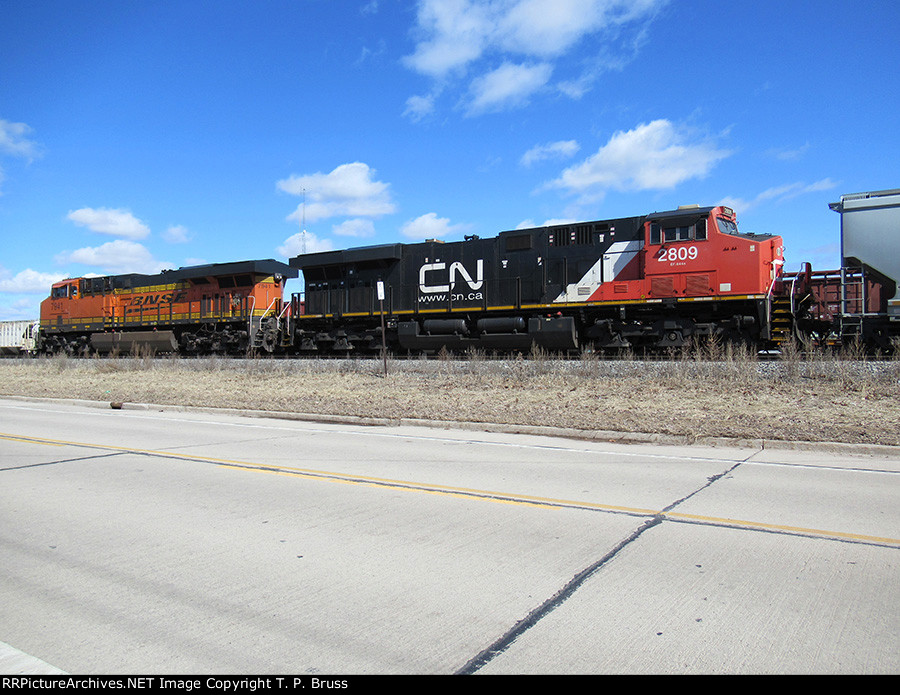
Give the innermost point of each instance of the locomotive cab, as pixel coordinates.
(699, 252)
(58, 306)
(65, 289)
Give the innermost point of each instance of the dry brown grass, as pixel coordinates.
(711, 393)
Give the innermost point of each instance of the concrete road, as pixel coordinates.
(149, 541)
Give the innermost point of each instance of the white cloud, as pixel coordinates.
(418, 107)
(456, 38)
(507, 86)
(552, 27)
(778, 194)
(355, 228)
(454, 33)
(303, 242)
(788, 155)
(116, 222)
(117, 256)
(14, 140)
(562, 149)
(347, 191)
(177, 234)
(15, 143)
(430, 226)
(529, 224)
(652, 156)
(14, 308)
(28, 281)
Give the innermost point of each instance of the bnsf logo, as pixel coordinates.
(154, 299)
(437, 272)
(149, 301)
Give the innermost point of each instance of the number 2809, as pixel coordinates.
(677, 253)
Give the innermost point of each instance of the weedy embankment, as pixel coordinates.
(706, 392)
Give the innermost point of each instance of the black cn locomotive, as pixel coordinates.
(653, 281)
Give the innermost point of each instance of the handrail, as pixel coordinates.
(268, 309)
(250, 318)
(769, 300)
(793, 284)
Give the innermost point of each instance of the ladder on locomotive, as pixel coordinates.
(782, 319)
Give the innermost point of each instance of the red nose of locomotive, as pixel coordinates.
(699, 252)
(748, 263)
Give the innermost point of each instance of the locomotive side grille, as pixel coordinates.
(697, 285)
(662, 286)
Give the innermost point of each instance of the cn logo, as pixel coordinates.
(456, 268)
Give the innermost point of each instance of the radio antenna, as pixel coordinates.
(303, 224)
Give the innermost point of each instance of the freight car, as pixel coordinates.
(223, 307)
(858, 303)
(18, 337)
(651, 282)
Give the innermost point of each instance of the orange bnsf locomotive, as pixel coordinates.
(651, 282)
(222, 308)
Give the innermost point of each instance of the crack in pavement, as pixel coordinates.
(56, 463)
(537, 614)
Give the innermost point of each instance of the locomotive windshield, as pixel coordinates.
(726, 226)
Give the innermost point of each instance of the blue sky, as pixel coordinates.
(142, 135)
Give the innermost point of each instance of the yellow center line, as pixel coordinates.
(431, 488)
(29, 440)
(469, 493)
(781, 527)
